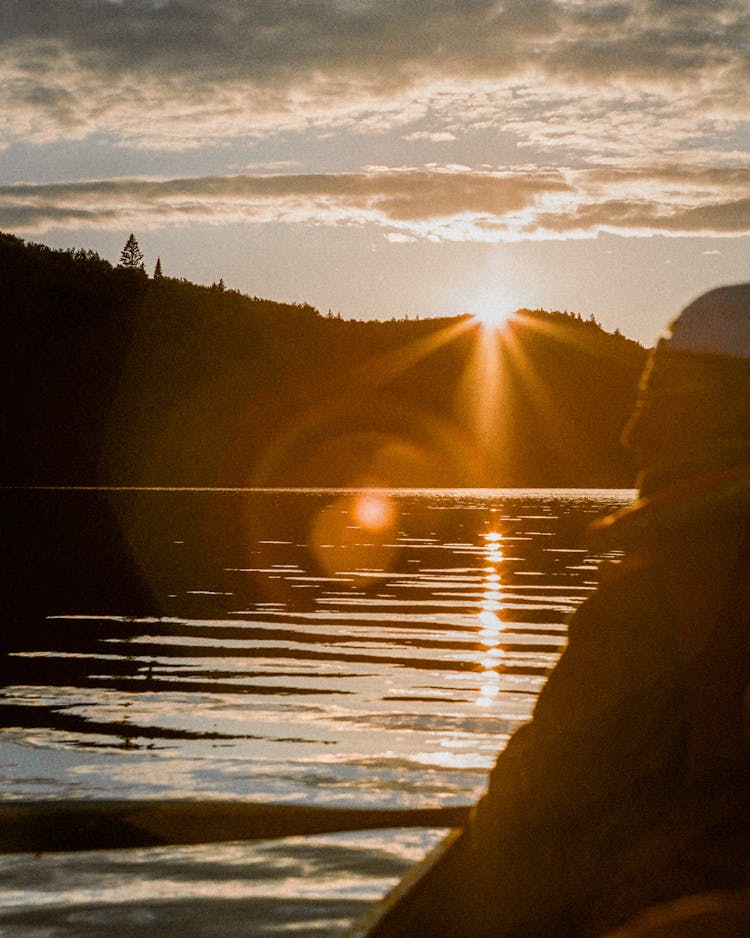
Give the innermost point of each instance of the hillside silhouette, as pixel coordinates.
(115, 378)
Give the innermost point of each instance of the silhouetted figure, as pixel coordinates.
(629, 787)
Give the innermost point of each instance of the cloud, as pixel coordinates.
(449, 203)
(441, 136)
(409, 196)
(644, 218)
(179, 73)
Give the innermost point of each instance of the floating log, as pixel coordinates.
(55, 826)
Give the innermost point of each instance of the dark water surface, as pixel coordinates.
(351, 648)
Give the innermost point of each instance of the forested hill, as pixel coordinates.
(112, 377)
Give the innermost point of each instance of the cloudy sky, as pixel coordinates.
(391, 157)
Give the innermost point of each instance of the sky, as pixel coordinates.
(391, 158)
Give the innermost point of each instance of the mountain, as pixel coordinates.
(112, 377)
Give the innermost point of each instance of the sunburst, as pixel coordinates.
(493, 318)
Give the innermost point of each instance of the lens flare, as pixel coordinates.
(373, 511)
(355, 533)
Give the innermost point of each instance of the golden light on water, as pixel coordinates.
(489, 689)
(490, 621)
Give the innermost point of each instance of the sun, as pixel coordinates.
(493, 318)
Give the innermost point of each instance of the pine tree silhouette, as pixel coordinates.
(157, 270)
(131, 256)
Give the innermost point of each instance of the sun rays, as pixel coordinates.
(493, 318)
(490, 428)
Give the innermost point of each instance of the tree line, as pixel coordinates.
(115, 377)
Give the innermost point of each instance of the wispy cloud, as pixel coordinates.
(440, 203)
(177, 74)
(628, 116)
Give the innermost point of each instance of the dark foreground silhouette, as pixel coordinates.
(630, 787)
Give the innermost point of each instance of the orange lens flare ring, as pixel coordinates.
(356, 533)
(373, 511)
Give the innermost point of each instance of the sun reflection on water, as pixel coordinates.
(490, 620)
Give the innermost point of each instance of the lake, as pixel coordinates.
(337, 648)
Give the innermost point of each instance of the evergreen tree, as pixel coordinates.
(131, 256)
(157, 270)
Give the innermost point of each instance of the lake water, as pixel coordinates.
(344, 648)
